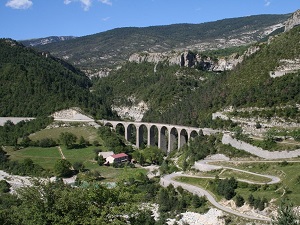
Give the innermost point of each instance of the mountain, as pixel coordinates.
(101, 52)
(35, 83)
(47, 40)
(268, 78)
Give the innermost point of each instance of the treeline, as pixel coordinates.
(10, 132)
(24, 168)
(175, 201)
(33, 84)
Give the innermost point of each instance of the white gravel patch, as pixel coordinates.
(71, 115)
(15, 181)
(212, 217)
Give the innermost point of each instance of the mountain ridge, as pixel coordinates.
(107, 50)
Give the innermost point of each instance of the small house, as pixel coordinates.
(117, 158)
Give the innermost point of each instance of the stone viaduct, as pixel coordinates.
(166, 136)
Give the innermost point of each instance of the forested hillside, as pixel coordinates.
(188, 96)
(33, 83)
(110, 48)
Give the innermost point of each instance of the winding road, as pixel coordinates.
(170, 179)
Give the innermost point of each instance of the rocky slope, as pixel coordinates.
(47, 40)
(111, 48)
(192, 59)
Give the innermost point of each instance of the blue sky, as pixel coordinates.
(25, 19)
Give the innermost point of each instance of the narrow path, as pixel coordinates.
(63, 156)
(169, 179)
(61, 153)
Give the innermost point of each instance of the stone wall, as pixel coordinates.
(227, 139)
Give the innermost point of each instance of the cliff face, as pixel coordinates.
(293, 21)
(190, 59)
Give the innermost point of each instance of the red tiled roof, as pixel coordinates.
(120, 155)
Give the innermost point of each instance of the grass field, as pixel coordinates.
(79, 155)
(244, 176)
(89, 133)
(112, 174)
(46, 157)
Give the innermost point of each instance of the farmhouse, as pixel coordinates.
(118, 158)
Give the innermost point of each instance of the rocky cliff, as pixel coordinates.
(191, 59)
(293, 21)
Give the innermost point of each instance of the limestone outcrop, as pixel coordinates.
(286, 66)
(134, 112)
(190, 59)
(293, 21)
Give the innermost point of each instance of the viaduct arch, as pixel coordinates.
(167, 136)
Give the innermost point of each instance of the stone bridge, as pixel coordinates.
(165, 136)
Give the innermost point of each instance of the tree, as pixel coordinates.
(239, 200)
(251, 200)
(198, 201)
(82, 142)
(100, 160)
(286, 215)
(68, 139)
(4, 186)
(62, 168)
(78, 166)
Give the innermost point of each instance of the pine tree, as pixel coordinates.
(286, 215)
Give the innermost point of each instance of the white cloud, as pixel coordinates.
(267, 3)
(107, 2)
(105, 19)
(86, 4)
(19, 4)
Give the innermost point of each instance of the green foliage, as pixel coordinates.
(167, 167)
(62, 168)
(251, 200)
(170, 199)
(4, 186)
(57, 203)
(100, 160)
(32, 84)
(150, 155)
(10, 132)
(113, 141)
(25, 168)
(226, 187)
(68, 139)
(200, 147)
(78, 166)
(286, 214)
(239, 200)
